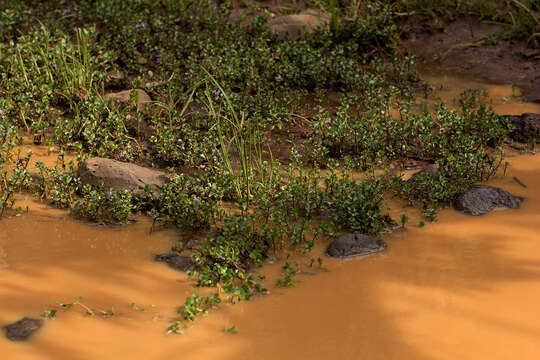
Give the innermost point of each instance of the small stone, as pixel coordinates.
(124, 97)
(355, 245)
(294, 27)
(175, 261)
(482, 199)
(22, 329)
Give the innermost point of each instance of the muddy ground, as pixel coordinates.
(464, 46)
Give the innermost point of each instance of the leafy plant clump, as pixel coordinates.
(260, 134)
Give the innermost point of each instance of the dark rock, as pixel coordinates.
(177, 262)
(533, 95)
(527, 127)
(22, 329)
(482, 199)
(355, 245)
(120, 175)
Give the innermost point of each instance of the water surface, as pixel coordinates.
(461, 288)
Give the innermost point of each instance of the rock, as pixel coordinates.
(120, 175)
(115, 74)
(417, 190)
(294, 27)
(482, 199)
(22, 329)
(124, 97)
(527, 127)
(353, 245)
(177, 262)
(533, 95)
(431, 169)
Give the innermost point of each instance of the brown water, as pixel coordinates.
(462, 288)
(505, 99)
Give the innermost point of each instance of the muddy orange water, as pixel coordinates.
(461, 288)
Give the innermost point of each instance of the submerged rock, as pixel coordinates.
(482, 199)
(353, 245)
(294, 27)
(120, 175)
(22, 329)
(527, 127)
(176, 261)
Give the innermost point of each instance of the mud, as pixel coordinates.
(461, 47)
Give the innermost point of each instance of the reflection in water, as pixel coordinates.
(462, 288)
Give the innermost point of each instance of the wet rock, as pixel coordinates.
(482, 199)
(294, 27)
(355, 245)
(124, 97)
(22, 329)
(120, 175)
(176, 261)
(533, 95)
(527, 127)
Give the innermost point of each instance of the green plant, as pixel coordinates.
(14, 175)
(97, 204)
(58, 185)
(197, 304)
(176, 205)
(289, 273)
(230, 329)
(404, 219)
(52, 313)
(176, 328)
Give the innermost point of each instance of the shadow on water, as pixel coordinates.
(449, 290)
(445, 291)
(465, 287)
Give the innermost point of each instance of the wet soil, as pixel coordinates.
(464, 46)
